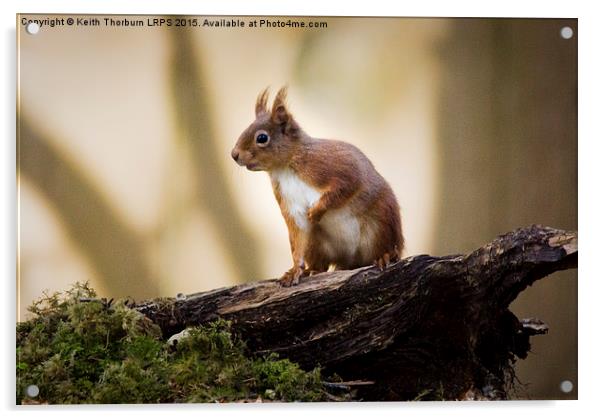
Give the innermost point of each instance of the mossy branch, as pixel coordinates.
(83, 349)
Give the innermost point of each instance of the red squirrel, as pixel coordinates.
(338, 209)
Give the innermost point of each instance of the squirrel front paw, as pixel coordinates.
(291, 277)
(315, 214)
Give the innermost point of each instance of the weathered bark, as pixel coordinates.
(428, 327)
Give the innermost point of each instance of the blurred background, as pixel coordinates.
(126, 181)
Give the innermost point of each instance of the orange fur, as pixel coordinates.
(337, 207)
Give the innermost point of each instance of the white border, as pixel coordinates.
(590, 69)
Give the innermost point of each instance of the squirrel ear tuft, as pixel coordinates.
(261, 106)
(280, 114)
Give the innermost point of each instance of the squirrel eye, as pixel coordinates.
(262, 138)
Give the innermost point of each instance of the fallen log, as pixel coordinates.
(425, 327)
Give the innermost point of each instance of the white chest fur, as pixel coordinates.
(342, 227)
(296, 194)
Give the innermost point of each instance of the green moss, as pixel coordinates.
(80, 349)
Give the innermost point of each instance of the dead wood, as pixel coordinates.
(426, 327)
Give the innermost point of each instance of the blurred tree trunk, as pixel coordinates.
(116, 253)
(508, 156)
(191, 99)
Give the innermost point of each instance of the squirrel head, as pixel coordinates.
(270, 141)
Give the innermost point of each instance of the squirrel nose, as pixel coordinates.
(235, 155)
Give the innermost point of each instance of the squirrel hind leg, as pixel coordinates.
(383, 261)
(387, 259)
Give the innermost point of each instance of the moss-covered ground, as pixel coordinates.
(77, 348)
